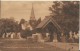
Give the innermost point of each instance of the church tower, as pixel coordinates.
(32, 20)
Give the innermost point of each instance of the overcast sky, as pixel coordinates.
(22, 9)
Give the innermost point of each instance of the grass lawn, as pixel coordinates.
(23, 45)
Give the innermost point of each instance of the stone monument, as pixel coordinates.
(55, 37)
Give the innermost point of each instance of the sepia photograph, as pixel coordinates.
(39, 25)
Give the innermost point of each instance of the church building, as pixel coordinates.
(33, 21)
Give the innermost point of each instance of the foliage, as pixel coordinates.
(8, 25)
(66, 14)
(39, 20)
(22, 21)
(25, 33)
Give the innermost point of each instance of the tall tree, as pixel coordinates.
(66, 14)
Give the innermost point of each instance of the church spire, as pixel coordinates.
(32, 20)
(32, 17)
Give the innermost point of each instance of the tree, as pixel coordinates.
(8, 25)
(66, 14)
(22, 21)
(39, 20)
(25, 33)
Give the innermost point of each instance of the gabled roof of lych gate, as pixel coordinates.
(48, 20)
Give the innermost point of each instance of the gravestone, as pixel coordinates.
(47, 38)
(70, 34)
(7, 35)
(3, 36)
(55, 38)
(40, 37)
(47, 34)
(76, 37)
(63, 37)
(37, 37)
(19, 36)
(71, 37)
(12, 35)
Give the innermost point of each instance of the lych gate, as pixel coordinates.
(49, 25)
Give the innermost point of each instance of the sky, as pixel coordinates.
(22, 9)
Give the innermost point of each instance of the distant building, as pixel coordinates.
(33, 21)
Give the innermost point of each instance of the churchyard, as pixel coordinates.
(23, 45)
(58, 31)
(35, 43)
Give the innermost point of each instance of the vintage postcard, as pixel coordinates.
(39, 25)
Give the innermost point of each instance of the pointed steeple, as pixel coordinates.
(32, 20)
(32, 17)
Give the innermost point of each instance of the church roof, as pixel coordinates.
(48, 20)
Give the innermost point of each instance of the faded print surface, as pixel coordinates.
(39, 26)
